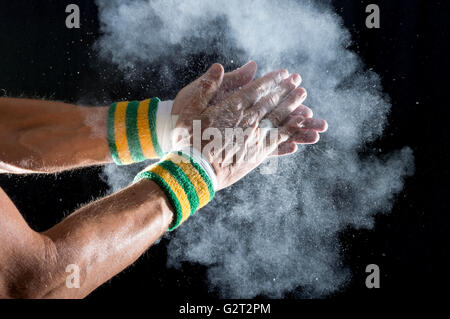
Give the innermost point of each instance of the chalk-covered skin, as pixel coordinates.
(107, 235)
(218, 89)
(275, 96)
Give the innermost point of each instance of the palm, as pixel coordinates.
(232, 82)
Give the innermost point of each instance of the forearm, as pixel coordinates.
(101, 239)
(45, 137)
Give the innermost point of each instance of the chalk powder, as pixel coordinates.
(272, 234)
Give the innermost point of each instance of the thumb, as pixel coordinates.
(208, 85)
(239, 77)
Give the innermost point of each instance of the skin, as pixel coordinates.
(105, 236)
(301, 123)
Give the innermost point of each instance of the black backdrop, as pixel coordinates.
(41, 58)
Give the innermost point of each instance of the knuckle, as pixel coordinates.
(282, 136)
(274, 79)
(273, 99)
(207, 84)
(233, 104)
(276, 118)
(260, 90)
(294, 99)
(290, 86)
(261, 112)
(298, 78)
(247, 121)
(246, 95)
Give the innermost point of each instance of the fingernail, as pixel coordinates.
(215, 70)
(296, 78)
(302, 93)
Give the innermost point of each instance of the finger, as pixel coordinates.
(274, 137)
(268, 103)
(298, 121)
(208, 85)
(239, 77)
(249, 95)
(292, 102)
(235, 80)
(315, 124)
(303, 110)
(304, 136)
(300, 136)
(285, 148)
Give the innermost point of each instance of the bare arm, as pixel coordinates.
(106, 236)
(40, 136)
(102, 239)
(46, 137)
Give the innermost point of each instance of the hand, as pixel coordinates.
(275, 97)
(232, 81)
(306, 129)
(300, 120)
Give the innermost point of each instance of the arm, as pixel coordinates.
(102, 239)
(106, 236)
(46, 137)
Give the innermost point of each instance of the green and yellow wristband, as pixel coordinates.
(131, 130)
(187, 185)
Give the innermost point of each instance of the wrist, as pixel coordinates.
(165, 123)
(204, 162)
(132, 131)
(186, 184)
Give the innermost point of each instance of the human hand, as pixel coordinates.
(274, 97)
(300, 120)
(231, 82)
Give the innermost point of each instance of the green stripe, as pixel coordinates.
(110, 133)
(134, 145)
(152, 124)
(202, 173)
(170, 194)
(185, 183)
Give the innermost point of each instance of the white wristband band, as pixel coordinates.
(204, 163)
(165, 123)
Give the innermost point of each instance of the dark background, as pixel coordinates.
(40, 57)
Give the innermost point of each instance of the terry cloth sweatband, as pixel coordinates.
(139, 130)
(186, 184)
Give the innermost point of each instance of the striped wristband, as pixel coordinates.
(131, 130)
(187, 185)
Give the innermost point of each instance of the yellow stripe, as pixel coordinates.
(176, 188)
(145, 138)
(196, 179)
(120, 133)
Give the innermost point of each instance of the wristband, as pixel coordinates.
(186, 184)
(165, 123)
(132, 133)
(204, 163)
